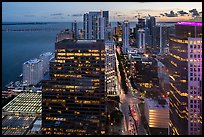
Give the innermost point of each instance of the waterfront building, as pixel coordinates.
(75, 30)
(65, 34)
(32, 71)
(184, 66)
(74, 99)
(126, 36)
(45, 58)
(94, 25)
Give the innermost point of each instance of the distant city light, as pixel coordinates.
(190, 23)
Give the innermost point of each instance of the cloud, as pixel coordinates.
(194, 12)
(77, 15)
(68, 14)
(56, 14)
(181, 12)
(171, 14)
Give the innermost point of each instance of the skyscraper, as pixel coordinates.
(184, 65)
(32, 71)
(141, 23)
(94, 25)
(141, 40)
(106, 16)
(75, 30)
(151, 23)
(74, 99)
(126, 36)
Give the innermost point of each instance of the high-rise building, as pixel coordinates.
(94, 25)
(118, 31)
(141, 23)
(164, 37)
(184, 65)
(108, 33)
(65, 34)
(32, 71)
(74, 99)
(75, 30)
(126, 36)
(148, 37)
(45, 57)
(110, 62)
(151, 23)
(110, 68)
(106, 16)
(141, 40)
(194, 86)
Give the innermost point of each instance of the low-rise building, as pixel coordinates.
(156, 113)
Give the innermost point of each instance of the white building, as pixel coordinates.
(45, 57)
(93, 24)
(141, 40)
(194, 86)
(157, 115)
(32, 71)
(126, 36)
(131, 52)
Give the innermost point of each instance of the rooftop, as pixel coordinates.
(85, 41)
(154, 104)
(32, 61)
(46, 54)
(190, 23)
(15, 125)
(25, 103)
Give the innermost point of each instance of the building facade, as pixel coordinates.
(194, 86)
(45, 58)
(184, 66)
(141, 40)
(94, 25)
(110, 68)
(74, 99)
(156, 114)
(75, 30)
(32, 71)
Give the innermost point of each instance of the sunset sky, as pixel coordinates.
(69, 11)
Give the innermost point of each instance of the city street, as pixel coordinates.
(132, 116)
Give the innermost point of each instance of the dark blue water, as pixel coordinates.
(20, 46)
